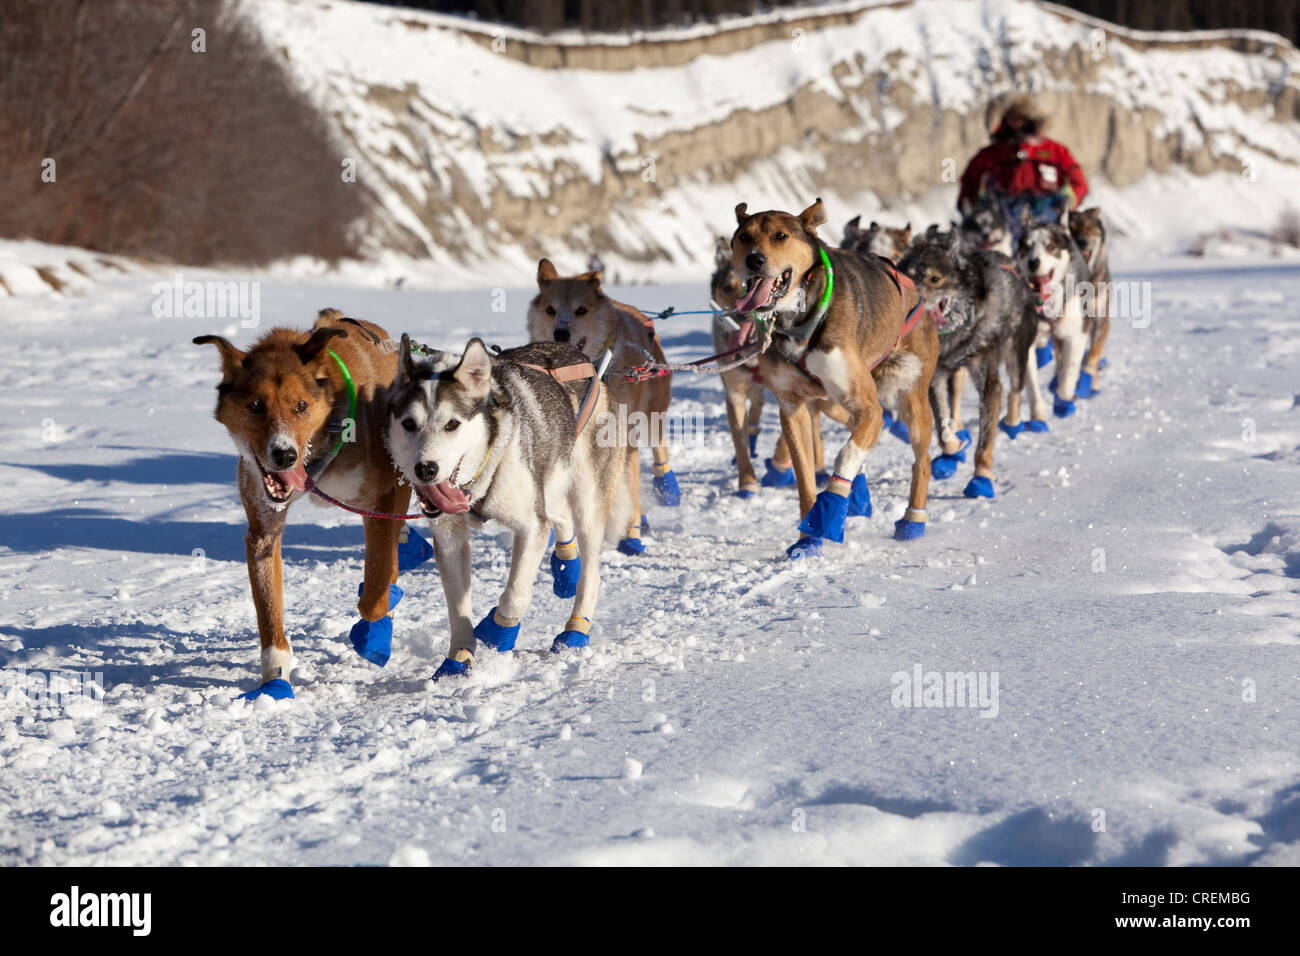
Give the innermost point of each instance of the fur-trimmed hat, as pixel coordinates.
(1021, 103)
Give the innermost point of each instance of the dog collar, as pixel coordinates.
(805, 329)
(318, 469)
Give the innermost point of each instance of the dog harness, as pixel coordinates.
(318, 469)
(573, 373)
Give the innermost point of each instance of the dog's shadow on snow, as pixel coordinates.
(220, 541)
(129, 653)
(157, 466)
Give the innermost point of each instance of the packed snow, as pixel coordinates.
(1128, 606)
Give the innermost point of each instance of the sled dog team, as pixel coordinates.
(880, 333)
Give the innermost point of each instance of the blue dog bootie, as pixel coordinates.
(459, 664)
(805, 547)
(1062, 408)
(1012, 431)
(665, 485)
(825, 519)
(898, 428)
(945, 465)
(277, 689)
(576, 633)
(412, 550)
(1084, 388)
(753, 443)
(776, 476)
(566, 568)
(860, 498)
(821, 477)
(1036, 425)
(911, 526)
(631, 545)
(373, 640)
(979, 487)
(1043, 355)
(495, 631)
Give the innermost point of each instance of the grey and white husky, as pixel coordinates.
(984, 229)
(985, 319)
(1054, 267)
(492, 437)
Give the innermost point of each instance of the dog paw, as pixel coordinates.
(394, 595)
(412, 552)
(805, 547)
(667, 490)
(860, 498)
(373, 640)
(458, 665)
(1043, 356)
(746, 492)
(566, 639)
(825, 519)
(631, 547)
(494, 635)
(1012, 431)
(777, 477)
(1084, 388)
(1036, 425)
(276, 689)
(1062, 408)
(566, 571)
(905, 530)
(979, 487)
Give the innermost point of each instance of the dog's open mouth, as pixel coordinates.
(445, 497)
(939, 312)
(280, 485)
(1043, 284)
(764, 292)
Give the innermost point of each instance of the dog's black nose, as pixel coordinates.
(1033, 265)
(426, 472)
(284, 458)
(755, 260)
(561, 335)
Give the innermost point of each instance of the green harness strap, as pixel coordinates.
(318, 469)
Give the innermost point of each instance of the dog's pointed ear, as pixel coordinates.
(853, 226)
(546, 271)
(874, 225)
(907, 229)
(813, 216)
(474, 373)
(406, 367)
(741, 214)
(310, 350)
(931, 231)
(592, 278)
(230, 356)
(1026, 217)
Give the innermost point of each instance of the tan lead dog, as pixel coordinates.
(286, 403)
(842, 327)
(575, 309)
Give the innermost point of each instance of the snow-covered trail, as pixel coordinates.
(1136, 578)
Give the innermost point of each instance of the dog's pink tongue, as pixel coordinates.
(446, 497)
(295, 478)
(759, 292)
(741, 335)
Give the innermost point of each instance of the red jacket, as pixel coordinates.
(1030, 166)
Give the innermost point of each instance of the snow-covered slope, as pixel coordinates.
(488, 148)
(1135, 588)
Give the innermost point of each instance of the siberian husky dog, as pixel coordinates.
(1055, 268)
(575, 309)
(841, 327)
(509, 438)
(876, 240)
(985, 319)
(984, 229)
(1089, 233)
(745, 391)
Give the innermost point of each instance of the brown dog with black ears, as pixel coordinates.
(841, 326)
(310, 409)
